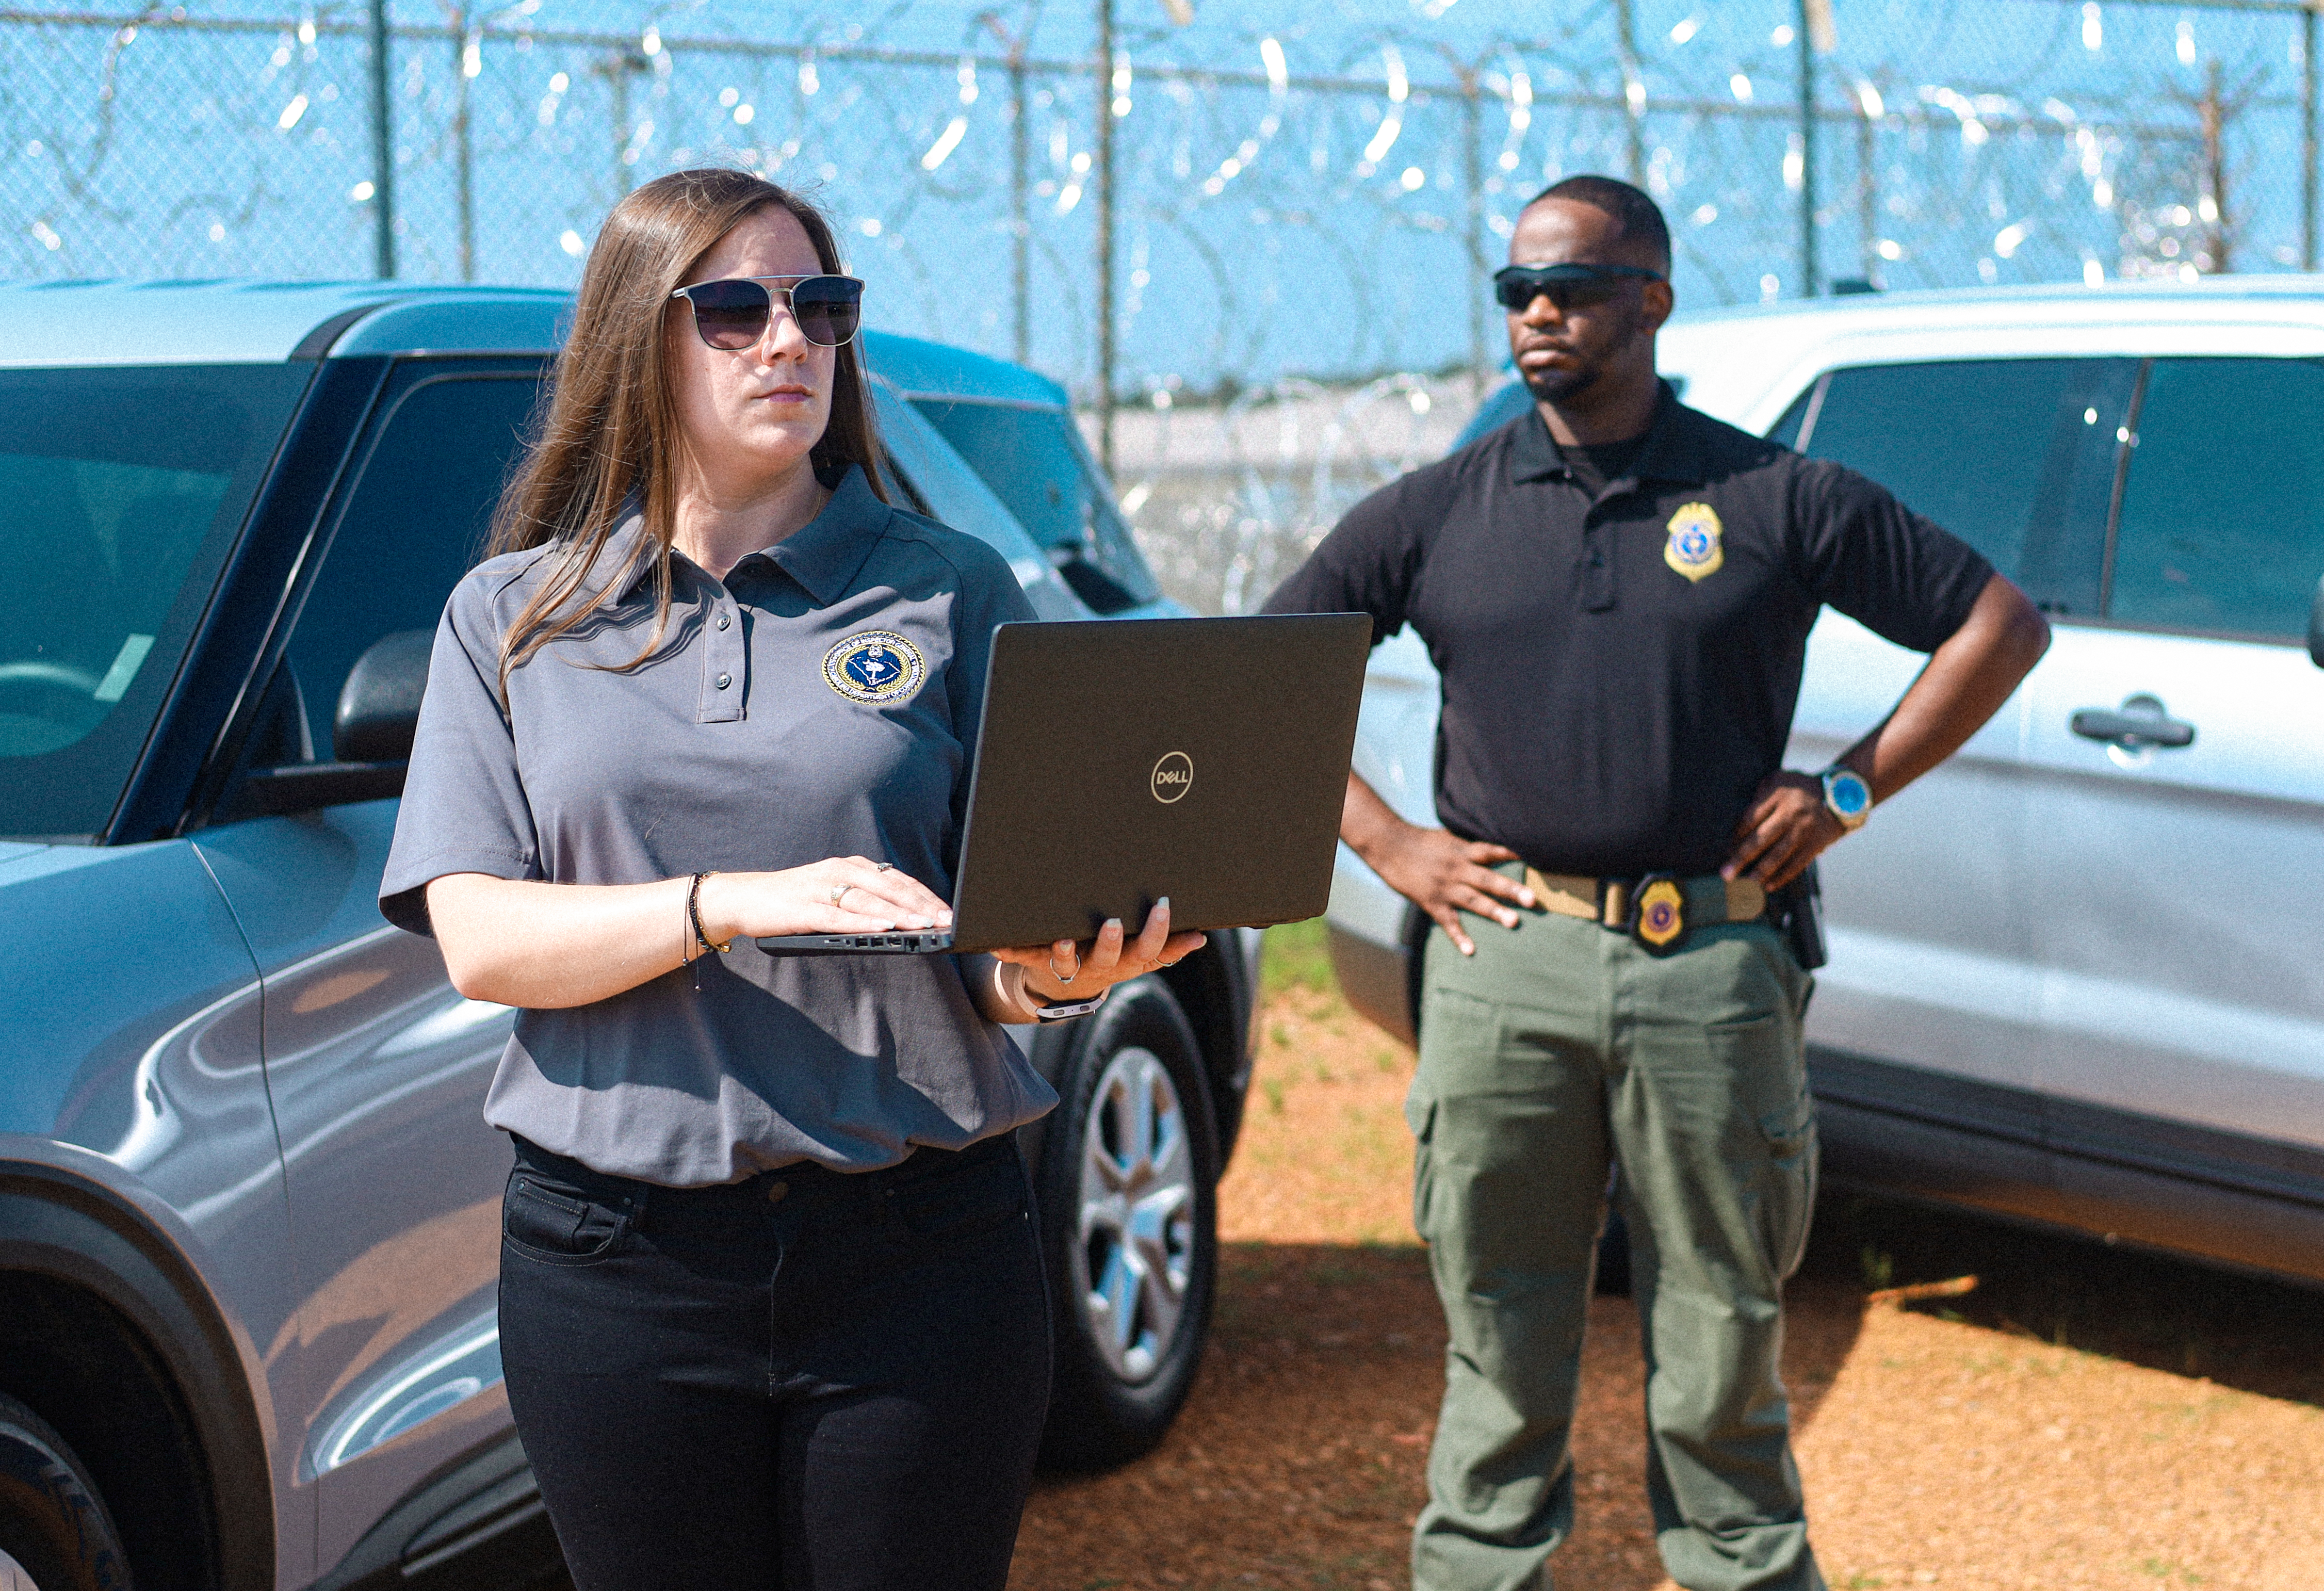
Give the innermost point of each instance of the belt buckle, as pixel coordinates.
(1658, 913)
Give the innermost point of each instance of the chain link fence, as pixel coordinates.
(1298, 210)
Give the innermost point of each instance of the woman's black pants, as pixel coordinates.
(803, 1382)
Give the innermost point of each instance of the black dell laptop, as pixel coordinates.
(1125, 760)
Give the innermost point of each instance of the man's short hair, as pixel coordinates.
(1635, 214)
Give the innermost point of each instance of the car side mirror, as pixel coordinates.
(378, 706)
(371, 735)
(2316, 628)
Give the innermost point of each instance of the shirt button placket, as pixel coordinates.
(723, 667)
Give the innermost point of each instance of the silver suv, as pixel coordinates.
(2077, 973)
(249, 1208)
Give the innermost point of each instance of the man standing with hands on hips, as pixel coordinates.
(1618, 592)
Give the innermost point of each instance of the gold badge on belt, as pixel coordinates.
(1693, 548)
(1661, 913)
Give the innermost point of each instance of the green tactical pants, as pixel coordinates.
(1559, 1048)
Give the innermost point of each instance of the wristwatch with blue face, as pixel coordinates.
(1846, 796)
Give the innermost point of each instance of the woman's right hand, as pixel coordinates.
(838, 895)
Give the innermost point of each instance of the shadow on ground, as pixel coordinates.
(2248, 1333)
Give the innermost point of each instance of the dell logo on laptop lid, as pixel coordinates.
(1173, 776)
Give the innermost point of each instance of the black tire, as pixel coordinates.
(53, 1524)
(1112, 1403)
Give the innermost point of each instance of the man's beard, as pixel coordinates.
(1562, 386)
(1555, 386)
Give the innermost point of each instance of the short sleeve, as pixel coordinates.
(1368, 562)
(1902, 577)
(463, 805)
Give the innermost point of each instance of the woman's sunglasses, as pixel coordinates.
(733, 314)
(1569, 287)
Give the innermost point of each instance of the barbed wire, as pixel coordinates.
(1295, 201)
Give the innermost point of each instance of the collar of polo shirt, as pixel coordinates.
(1674, 450)
(822, 555)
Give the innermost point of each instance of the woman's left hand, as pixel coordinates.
(1067, 970)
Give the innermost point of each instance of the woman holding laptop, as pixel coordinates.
(772, 1306)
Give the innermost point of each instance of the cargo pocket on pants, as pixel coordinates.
(1790, 1200)
(1420, 1115)
(1762, 1056)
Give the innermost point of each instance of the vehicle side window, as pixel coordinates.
(1036, 462)
(2017, 456)
(1795, 418)
(415, 522)
(2222, 524)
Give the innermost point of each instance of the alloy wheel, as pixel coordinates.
(1134, 1262)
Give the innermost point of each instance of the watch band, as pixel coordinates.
(1062, 1010)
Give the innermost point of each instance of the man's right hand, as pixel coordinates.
(1437, 871)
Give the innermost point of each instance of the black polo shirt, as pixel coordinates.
(1620, 672)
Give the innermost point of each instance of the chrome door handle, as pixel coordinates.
(2140, 721)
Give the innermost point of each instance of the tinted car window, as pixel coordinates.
(2017, 456)
(120, 492)
(1034, 462)
(416, 521)
(2222, 523)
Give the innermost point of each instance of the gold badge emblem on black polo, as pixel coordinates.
(878, 667)
(1661, 914)
(1693, 548)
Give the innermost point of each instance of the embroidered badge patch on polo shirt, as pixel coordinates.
(1693, 548)
(878, 667)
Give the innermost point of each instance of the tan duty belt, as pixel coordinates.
(1708, 898)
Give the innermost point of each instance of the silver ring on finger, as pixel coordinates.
(839, 893)
(1063, 977)
(885, 867)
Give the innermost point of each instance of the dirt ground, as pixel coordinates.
(2082, 1417)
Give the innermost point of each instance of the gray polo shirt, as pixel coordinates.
(821, 700)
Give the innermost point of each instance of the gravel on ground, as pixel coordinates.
(2079, 1417)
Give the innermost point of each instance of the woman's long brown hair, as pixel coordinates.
(610, 431)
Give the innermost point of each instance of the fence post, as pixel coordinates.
(2308, 136)
(1634, 91)
(1809, 285)
(1473, 176)
(618, 70)
(1103, 67)
(383, 149)
(464, 148)
(1020, 227)
(1867, 186)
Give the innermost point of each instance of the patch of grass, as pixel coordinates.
(1862, 1583)
(1298, 956)
(1879, 1269)
(1273, 1088)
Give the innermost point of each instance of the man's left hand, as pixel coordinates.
(1787, 827)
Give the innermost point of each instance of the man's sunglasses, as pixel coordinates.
(733, 314)
(1569, 287)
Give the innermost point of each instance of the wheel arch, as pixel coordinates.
(141, 1373)
(1215, 990)
(1217, 995)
